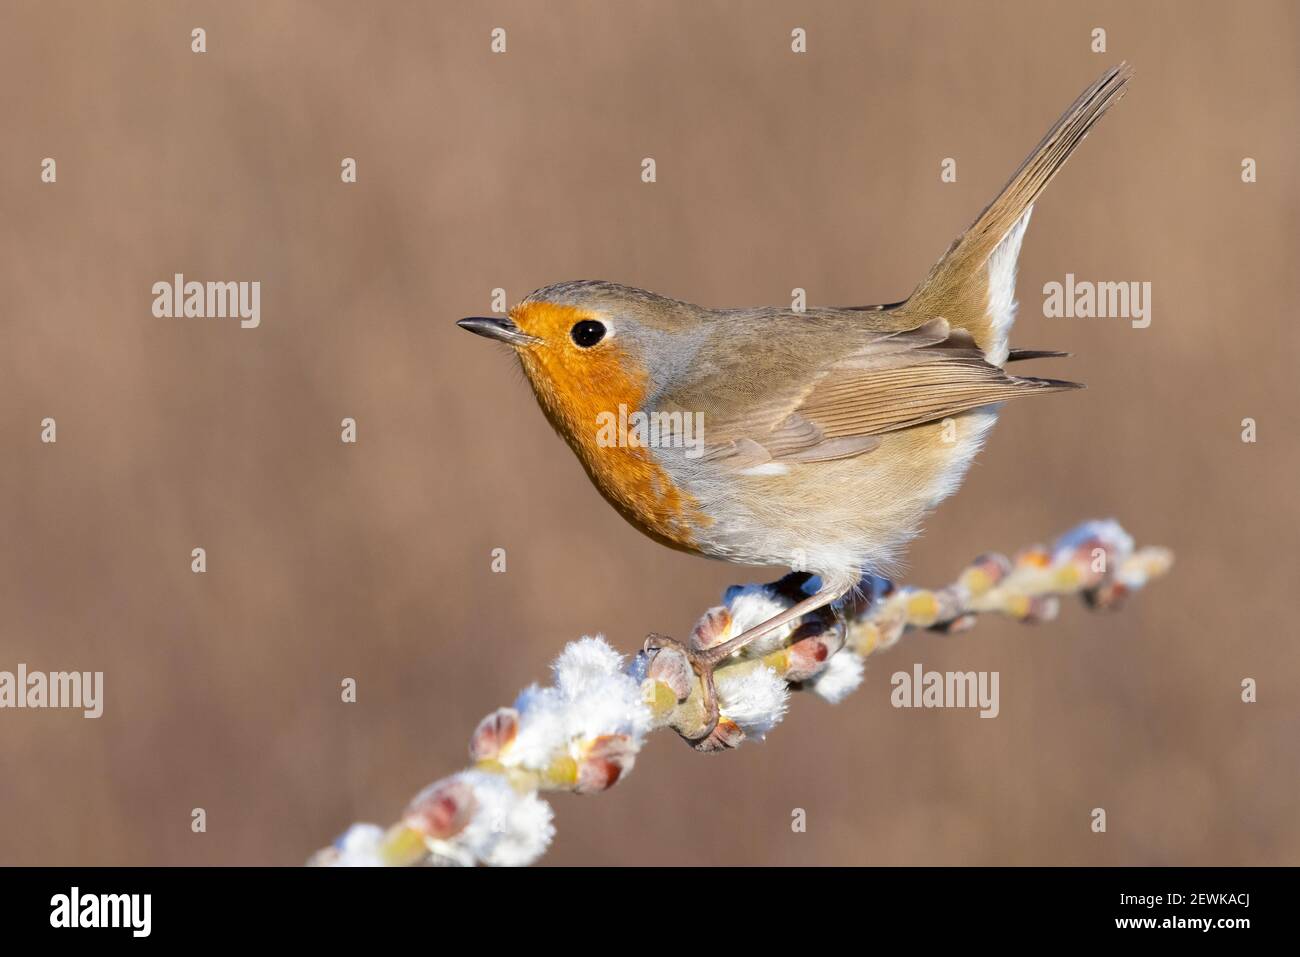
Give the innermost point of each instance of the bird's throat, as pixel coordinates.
(580, 402)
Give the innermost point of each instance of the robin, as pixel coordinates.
(817, 439)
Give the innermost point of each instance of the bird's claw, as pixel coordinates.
(702, 664)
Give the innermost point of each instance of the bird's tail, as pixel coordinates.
(973, 285)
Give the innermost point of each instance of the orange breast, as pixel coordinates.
(581, 393)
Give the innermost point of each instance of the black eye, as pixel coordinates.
(587, 333)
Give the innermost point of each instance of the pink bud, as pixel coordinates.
(814, 643)
(671, 667)
(493, 734)
(442, 809)
(712, 628)
(607, 759)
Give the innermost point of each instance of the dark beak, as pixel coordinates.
(503, 330)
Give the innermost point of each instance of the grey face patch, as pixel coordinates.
(661, 335)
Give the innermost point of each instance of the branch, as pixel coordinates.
(582, 734)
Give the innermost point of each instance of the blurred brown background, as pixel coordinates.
(479, 170)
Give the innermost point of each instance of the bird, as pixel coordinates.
(817, 439)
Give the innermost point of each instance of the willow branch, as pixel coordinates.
(582, 733)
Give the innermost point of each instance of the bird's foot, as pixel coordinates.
(702, 662)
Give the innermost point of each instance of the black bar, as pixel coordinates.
(328, 906)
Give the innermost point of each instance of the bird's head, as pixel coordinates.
(588, 347)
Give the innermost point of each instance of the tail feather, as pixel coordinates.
(1018, 355)
(973, 285)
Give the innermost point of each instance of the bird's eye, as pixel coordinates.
(587, 333)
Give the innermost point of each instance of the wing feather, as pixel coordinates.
(892, 382)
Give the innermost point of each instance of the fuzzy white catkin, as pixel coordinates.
(841, 676)
(584, 663)
(592, 697)
(754, 605)
(358, 846)
(755, 700)
(508, 829)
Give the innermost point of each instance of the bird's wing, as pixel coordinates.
(839, 406)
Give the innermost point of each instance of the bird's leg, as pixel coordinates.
(705, 660)
(719, 653)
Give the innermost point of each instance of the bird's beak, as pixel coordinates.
(503, 330)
